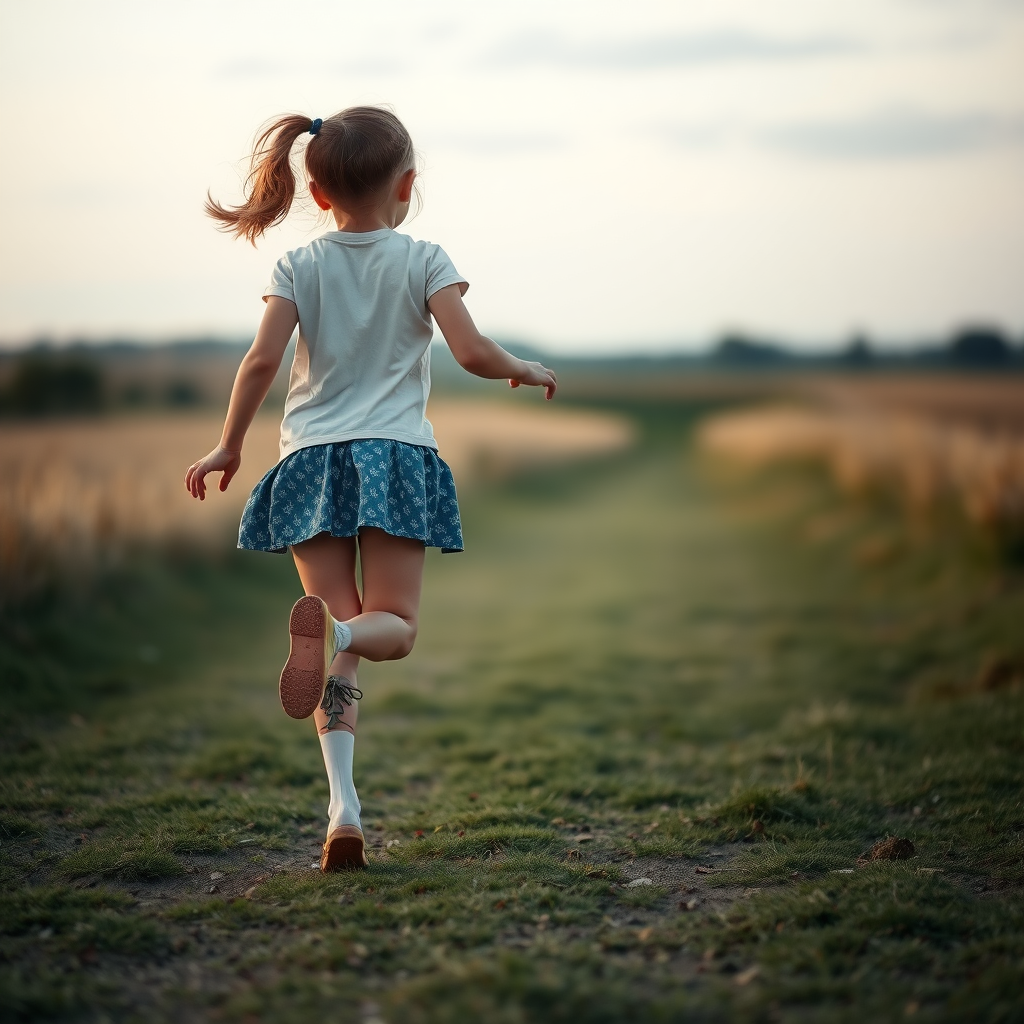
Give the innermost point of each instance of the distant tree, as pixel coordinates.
(46, 383)
(182, 393)
(857, 354)
(981, 347)
(741, 351)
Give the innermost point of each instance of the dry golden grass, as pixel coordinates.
(927, 462)
(80, 495)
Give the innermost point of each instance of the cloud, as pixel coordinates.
(662, 51)
(896, 133)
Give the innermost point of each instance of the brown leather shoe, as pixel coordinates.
(344, 850)
(305, 672)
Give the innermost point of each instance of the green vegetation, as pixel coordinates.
(655, 724)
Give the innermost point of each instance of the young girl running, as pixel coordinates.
(359, 473)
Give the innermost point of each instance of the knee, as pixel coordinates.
(406, 644)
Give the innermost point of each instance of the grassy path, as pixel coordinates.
(627, 774)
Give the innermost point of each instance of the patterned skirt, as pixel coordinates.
(404, 489)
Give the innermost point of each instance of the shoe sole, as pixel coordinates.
(344, 850)
(304, 675)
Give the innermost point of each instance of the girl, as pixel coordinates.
(359, 471)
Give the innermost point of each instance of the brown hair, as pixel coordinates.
(354, 155)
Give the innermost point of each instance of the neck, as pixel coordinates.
(388, 214)
(359, 221)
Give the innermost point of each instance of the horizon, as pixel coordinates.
(705, 349)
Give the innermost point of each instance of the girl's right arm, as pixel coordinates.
(252, 382)
(480, 355)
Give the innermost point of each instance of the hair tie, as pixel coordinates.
(314, 128)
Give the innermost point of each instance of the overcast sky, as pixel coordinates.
(606, 175)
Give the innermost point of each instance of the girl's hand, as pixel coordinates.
(220, 460)
(538, 376)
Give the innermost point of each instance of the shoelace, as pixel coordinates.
(338, 693)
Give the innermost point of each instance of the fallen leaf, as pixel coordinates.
(474, 796)
(645, 933)
(700, 869)
(500, 905)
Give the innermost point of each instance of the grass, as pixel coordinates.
(637, 673)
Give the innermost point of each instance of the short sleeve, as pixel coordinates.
(441, 272)
(282, 281)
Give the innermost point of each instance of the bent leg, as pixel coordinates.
(392, 570)
(327, 569)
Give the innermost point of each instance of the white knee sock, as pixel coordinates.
(338, 746)
(342, 636)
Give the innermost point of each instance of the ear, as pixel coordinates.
(318, 196)
(405, 185)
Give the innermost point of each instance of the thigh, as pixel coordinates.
(327, 568)
(392, 570)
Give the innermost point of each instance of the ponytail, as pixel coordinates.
(352, 157)
(270, 187)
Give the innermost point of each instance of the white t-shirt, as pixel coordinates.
(362, 360)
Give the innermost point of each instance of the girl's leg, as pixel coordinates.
(392, 569)
(327, 568)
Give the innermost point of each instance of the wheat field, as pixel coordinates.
(82, 495)
(928, 462)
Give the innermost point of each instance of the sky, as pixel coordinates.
(608, 176)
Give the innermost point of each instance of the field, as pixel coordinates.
(85, 496)
(676, 743)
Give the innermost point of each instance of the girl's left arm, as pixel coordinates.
(252, 382)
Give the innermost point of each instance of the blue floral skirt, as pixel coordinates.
(404, 489)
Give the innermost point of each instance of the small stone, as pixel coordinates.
(637, 882)
(214, 875)
(892, 848)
